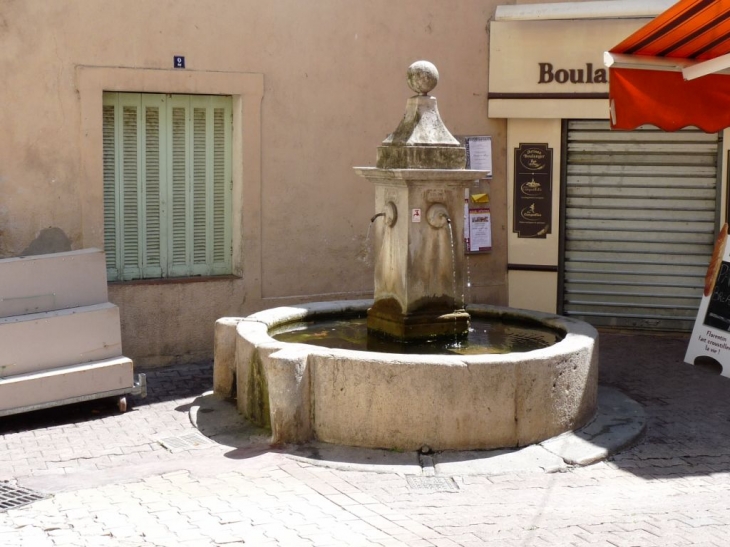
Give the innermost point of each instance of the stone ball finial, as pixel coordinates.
(422, 77)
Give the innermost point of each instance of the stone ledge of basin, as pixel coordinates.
(286, 314)
(227, 333)
(567, 325)
(253, 384)
(257, 332)
(224, 355)
(572, 363)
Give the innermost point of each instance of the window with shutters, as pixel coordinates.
(167, 185)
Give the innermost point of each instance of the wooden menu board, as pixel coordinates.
(533, 190)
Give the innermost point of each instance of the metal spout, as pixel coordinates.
(376, 216)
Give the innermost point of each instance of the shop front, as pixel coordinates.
(612, 227)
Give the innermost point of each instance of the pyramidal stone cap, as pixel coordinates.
(421, 141)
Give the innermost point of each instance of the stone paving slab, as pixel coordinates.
(113, 483)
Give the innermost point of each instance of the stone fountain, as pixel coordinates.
(419, 189)
(407, 401)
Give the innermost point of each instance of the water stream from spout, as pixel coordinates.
(467, 282)
(453, 260)
(453, 275)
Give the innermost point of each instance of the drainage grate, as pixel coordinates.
(16, 496)
(187, 441)
(432, 484)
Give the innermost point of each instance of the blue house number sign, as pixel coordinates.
(178, 61)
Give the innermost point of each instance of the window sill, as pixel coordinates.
(174, 280)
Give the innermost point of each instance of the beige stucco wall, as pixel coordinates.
(535, 290)
(316, 86)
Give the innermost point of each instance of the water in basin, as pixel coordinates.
(485, 336)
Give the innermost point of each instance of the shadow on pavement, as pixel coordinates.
(163, 385)
(687, 407)
(58, 416)
(176, 382)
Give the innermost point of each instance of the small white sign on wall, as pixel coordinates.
(480, 230)
(415, 215)
(479, 153)
(711, 333)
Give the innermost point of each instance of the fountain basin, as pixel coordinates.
(403, 402)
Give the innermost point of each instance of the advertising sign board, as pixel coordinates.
(711, 333)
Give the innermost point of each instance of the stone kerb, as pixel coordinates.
(382, 400)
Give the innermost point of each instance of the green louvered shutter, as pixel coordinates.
(178, 156)
(200, 162)
(167, 185)
(211, 177)
(153, 227)
(110, 185)
(129, 168)
(220, 210)
(200, 199)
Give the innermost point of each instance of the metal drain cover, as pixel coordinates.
(187, 441)
(16, 496)
(432, 484)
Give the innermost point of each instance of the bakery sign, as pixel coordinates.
(586, 74)
(533, 190)
(711, 333)
(531, 60)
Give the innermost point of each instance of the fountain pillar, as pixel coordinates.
(419, 238)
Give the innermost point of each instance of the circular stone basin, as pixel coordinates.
(407, 401)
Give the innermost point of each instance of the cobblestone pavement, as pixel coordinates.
(110, 481)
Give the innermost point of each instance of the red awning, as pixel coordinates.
(673, 72)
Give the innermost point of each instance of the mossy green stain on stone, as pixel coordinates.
(257, 407)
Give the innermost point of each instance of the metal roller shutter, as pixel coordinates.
(640, 213)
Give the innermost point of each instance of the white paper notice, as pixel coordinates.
(479, 150)
(480, 230)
